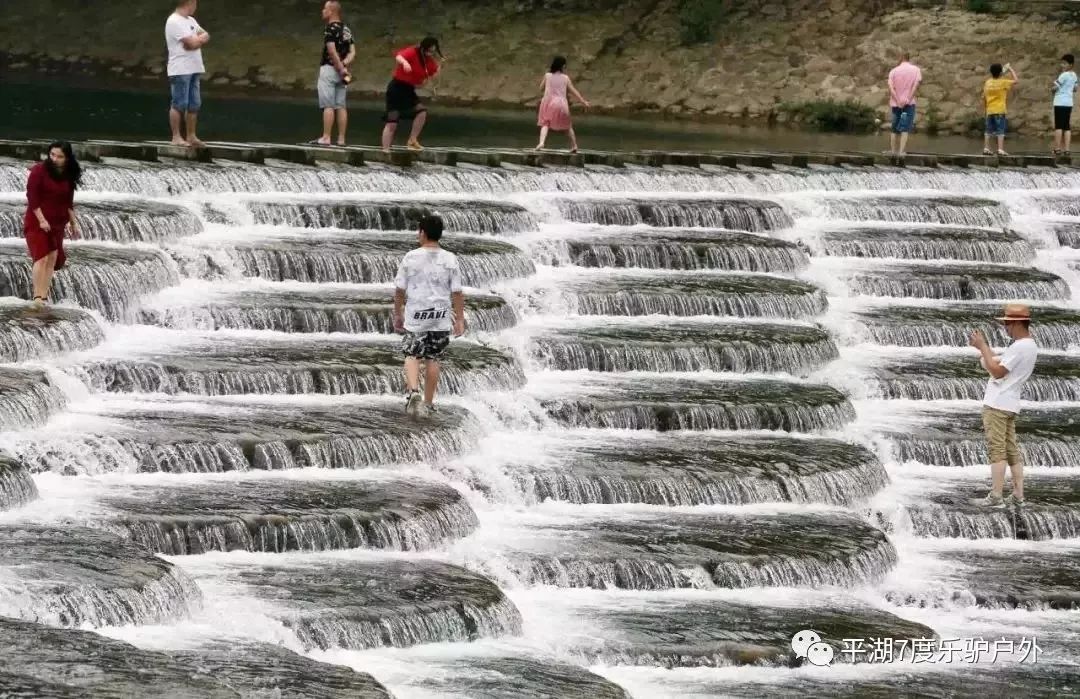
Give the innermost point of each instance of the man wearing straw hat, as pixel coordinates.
(1001, 404)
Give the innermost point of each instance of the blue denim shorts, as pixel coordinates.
(996, 124)
(903, 119)
(186, 96)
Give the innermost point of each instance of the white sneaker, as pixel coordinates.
(990, 501)
(413, 403)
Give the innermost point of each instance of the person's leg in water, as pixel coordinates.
(573, 139)
(412, 384)
(417, 126)
(42, 276)
(431, 382)
(544, 130)
(342, 124)
(995, 426)
(1016, 465)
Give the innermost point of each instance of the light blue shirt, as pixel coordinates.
(1064, 87)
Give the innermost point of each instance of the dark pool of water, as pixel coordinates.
(47, 108)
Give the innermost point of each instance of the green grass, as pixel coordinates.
(834, 116)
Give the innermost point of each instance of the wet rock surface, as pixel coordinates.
(362, 257)
(675, 346)
(27, 398)
(209, 436)
(730, 213)
(654, 552)
(711, 632)
(74, 576)
(316, 310)
(459, 215)
(959, 283)
(1051, 511)
(27, 333)
(99, 276)
(59, 663)
(644, 402)
(686, 249)
(380, 602)
(275, 515)
(120, 221)
(16, 486)
(224, 366)
(685, 294)
(704, 470)
(930, 243)
(952, 325)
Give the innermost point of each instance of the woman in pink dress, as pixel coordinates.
(555, 107)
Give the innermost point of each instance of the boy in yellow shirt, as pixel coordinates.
(995, 94)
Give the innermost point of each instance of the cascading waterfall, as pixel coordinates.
(697, 410)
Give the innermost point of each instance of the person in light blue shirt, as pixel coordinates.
(1064, 89)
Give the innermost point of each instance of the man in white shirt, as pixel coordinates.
(1001, 404)
(184, 39)
(428, 305)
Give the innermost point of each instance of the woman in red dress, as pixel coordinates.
(50, 212)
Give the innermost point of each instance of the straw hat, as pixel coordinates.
(1016, 311)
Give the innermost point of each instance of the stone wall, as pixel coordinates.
(624, 55)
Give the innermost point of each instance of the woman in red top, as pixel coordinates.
(415, 65)
(50, 212)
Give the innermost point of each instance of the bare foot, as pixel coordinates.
(196, 143)
(179, 141)
(341, 143)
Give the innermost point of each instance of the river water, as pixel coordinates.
(697, 412)
(85, 111)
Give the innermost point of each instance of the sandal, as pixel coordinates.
(987, 151)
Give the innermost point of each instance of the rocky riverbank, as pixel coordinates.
(625, 56)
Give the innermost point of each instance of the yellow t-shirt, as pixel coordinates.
(995, 91)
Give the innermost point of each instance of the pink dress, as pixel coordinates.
(555, 108)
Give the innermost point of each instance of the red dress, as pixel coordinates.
(55, 198)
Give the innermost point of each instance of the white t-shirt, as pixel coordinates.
(1019, 359)
(429, 276)
(182, 61)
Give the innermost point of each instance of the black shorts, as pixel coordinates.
(402, 102)
(1062, 117)
(425, 345)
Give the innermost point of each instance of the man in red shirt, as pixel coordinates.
(415, 65)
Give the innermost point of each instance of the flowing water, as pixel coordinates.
(696, 412)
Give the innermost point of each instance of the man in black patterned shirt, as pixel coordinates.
(338, 52)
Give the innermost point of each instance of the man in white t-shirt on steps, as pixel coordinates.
(184, 39)
(1001, 404)
(428, 305)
